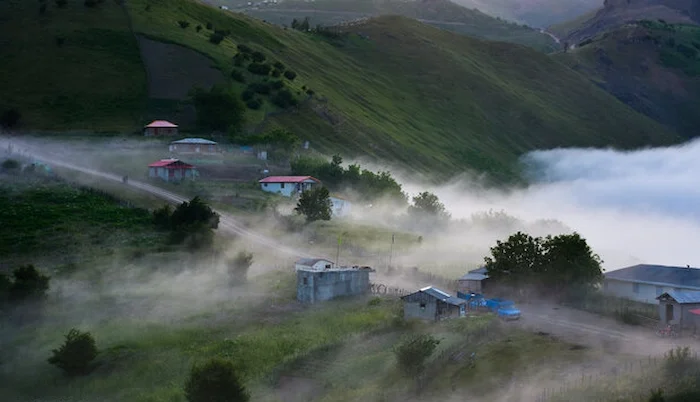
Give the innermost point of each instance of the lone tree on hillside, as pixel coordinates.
(564, 265)
(76, 353)
(315, 204)
(427, 205)
(218, 109)
(412, 354)
(25, 284)
(238, 267)
(192, 222)
(215, 381)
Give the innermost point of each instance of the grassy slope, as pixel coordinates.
(95, 80)
(645, 67)
(442, 13)
(428, 99)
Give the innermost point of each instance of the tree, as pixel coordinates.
(183, 24)
(10, 164)
(218, 109)
(238, 267)
(315, 204)
(191, 223)
(561, 264)
(216, 38)
(215, 381)
(28, 284)
(290, 75)
(412, 354)
(76, 353)
(427, 205)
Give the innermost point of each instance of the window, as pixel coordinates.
(422, 306)
(264, 184)
(281, 185)
(635, 288)
(306, 281)
(659, 290)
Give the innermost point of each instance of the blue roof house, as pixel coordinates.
(681, 308)
(645, 283)
(432, 304)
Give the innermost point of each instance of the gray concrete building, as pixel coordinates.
(315, 285)
(432, 304)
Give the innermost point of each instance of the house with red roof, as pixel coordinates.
(288, 185)
(171, 170)
(160, 127)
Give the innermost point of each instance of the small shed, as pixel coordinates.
(473, 281)
(432, 304)
(340, 206)
(288, 185)
(330, 282)
(195, 145)
(171, 170)
(160, 127)
(313, 263)
(681, 308)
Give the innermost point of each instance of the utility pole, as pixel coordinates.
(391, 251)
(337, 255)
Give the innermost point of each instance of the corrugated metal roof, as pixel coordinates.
(287, 179)
(194, 141)
(310, 261)
(683, 297)
(443, 296)
(473, 277)
(168, 162)
(658, 274)
(162, 123)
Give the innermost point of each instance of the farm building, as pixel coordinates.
(330, 282)
(644, 283)
(288, 185)
(171, 170)
(473, 281)
(160, 127)
(340, 206)
(195, 145)
(432, 304)
(313, 264)
(681, 308)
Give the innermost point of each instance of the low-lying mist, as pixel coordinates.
(633, 207)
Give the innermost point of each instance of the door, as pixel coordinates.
(669, 312)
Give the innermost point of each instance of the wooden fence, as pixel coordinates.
(384, 290)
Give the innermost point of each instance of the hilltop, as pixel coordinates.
(653, 67)
(615, 13)
(440, 13)
(389, 89)
(536, 13)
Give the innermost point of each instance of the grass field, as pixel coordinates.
(417, 97)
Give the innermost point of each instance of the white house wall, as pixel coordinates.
(278, 189)
(644, 293)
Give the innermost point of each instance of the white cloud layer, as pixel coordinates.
(632, 207)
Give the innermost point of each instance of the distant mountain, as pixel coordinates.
(652, 66)
(615, 13)
(535, 13)
(443, 14)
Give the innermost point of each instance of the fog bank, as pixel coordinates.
(632, 207)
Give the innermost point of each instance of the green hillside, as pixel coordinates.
(652, 66)
(391, 88)
(440, 13)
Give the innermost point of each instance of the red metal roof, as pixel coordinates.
(695, 311)
(162, 123)
(288, 179)
(171, 163)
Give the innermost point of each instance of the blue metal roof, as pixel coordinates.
(443, 296)
(658, 275)
(194, 141)
(683, 297)
(473, 277)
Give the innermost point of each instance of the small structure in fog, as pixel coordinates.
(321, 280)
(171, 170)
(160, 127)
(473, 281)
(194, 145)
(288, 185)
(432, 304)
(340, 206)
(681, 308)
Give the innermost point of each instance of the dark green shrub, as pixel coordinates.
(238, 267)
(290, 75)
(222, 32)
(275, 85)
(244, 48)
(210, 26)
(254, 104)
(76, 353)
(279, 66)
(10, 164)
(237, 76)
(198, 28)
(216, 38)
(183, 24)
(261, 88)
(28, 284)
(247, 95)
(283, 99)
(276, 73)
(258, 57)
(310, 92)
(215, 381)
(412, 354)
(239, 59)
(259, 69)
(161, 217)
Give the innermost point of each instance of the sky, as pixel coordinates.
(632, 207)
